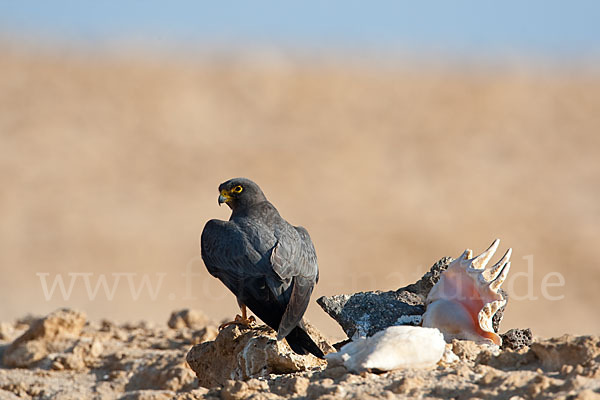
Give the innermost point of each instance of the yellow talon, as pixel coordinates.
(239, 320)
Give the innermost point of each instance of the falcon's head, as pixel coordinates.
(240, 193)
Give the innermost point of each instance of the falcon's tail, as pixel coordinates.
(301, 343)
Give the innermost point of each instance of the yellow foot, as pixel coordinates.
(239, 320)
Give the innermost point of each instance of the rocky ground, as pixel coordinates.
(64, 356)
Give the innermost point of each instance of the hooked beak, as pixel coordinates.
(224, 197)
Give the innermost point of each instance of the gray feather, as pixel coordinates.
(266, 262)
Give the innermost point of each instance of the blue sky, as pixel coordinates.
(547, 28)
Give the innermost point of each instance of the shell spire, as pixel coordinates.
(481, 260)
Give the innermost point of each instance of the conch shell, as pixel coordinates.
(463, 302)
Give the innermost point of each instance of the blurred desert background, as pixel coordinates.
(110, 163)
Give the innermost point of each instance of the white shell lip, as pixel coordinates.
(464, 301)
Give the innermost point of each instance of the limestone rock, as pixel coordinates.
(192, 325)
(467, 350)
(147, 362)
(587, 394)
(84, 353)
(187, 318)
(6, 331)
(243, 353)
(318, 337)
(567, 350)
(164, 370)
(52, 333)
(240, 390)
(148, 395)
(449, 357)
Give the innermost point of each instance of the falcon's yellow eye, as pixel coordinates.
(237, 189)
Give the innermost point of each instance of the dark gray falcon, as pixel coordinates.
(270, 265)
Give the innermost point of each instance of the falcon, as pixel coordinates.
(269, 265)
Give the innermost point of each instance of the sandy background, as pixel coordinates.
(110, 165)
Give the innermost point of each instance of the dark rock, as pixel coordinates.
(516, 339)
(366, 313)
(338, 345)
(500, 313)
(431, 277)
